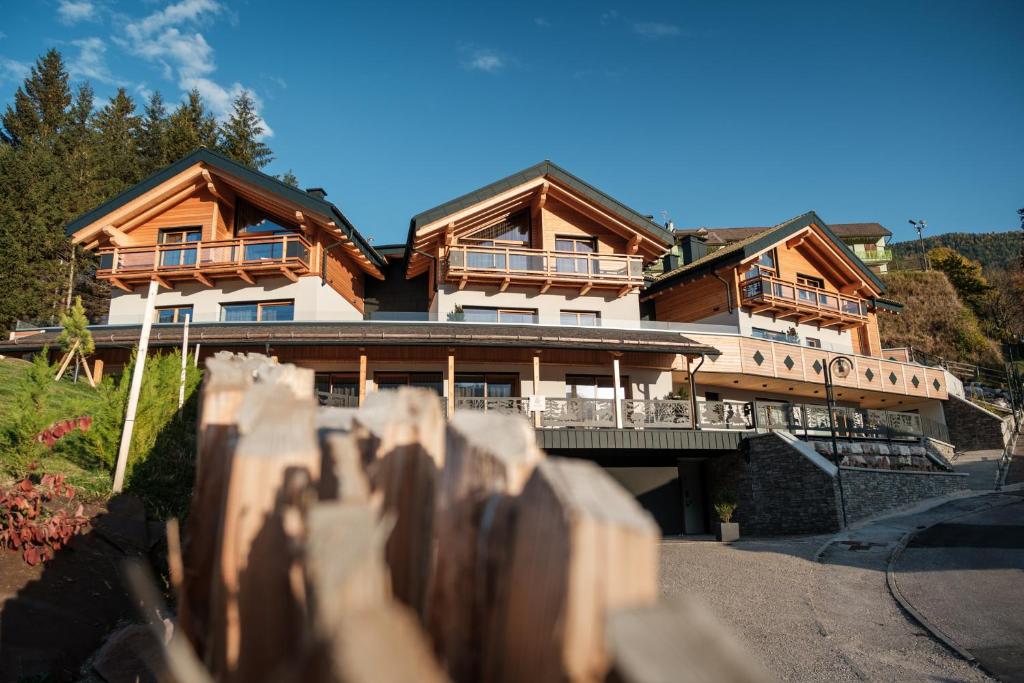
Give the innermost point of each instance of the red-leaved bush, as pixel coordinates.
(29, 522)
(54, 432)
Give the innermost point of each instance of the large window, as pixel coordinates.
(481, 314)
(595, 386)
(580, 318)
(185, 256)
(425, 380)
(337, 388)
(252, 220)
(766, 265)
(173, 314)
(260, 311)
(772, 335)
(486, 386)
(514, 231)
(574, 245)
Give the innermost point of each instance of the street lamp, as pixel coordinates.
(843, 365)
(920, 225)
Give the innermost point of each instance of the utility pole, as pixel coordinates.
(920, 225)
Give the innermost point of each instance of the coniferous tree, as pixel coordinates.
(117, 134)
(154, 145)
(190, 127)
(288, 178)
(241, 133)
(41, 103)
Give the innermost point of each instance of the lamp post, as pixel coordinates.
(843, 365)
(920, 225)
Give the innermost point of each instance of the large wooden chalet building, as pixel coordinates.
(622, 342)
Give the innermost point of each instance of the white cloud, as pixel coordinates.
(12, 70)
(542, 22)
(91, 62)
(655, 29)
(74, 11)
(609, 16)
(482, 59)
(170, 39)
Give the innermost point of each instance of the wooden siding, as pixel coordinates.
(344, 277)
(196, 210)
(694, 301)
(793, 262)
(557, 219)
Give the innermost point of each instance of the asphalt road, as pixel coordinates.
(966, 577)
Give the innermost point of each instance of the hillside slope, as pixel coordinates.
(991, 249)
(934, 320)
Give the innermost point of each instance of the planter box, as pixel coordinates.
(728, 532)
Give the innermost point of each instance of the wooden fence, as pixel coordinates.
(386, 544)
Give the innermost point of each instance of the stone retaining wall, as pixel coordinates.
(972, 428)
(870, 492)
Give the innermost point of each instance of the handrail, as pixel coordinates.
(467, 258)
(771, 289)
(196, 255)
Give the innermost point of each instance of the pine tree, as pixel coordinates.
(154, 145)
(40, 108)
(190, 127)
(288, 178)
(241, 134)
(117, 133)
(76, 330)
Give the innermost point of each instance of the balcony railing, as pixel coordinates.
(807, 303)
(877, 255)
(252, 253)
(509, 405)
(539, 264)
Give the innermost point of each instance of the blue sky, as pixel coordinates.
(717, 114)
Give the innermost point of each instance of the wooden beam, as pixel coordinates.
(546, 286)
(463, 281)
(624, 291)
(202, 278)
(634, 245)
(162, 282)
(449, 234)
(586, 288)
(117, 237)
(287, 272)
(504, 284)
(120, 285)
(160, 206)
(451, 382)
(362, 376)
(245, 276)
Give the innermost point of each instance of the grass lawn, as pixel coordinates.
(65, 401)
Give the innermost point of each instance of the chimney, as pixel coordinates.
(317, 192)
(692, 248)
(669, 261)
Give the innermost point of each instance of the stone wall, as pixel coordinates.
(972, 428)
(871, 492)
(781, 491)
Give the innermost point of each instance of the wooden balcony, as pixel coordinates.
(287, 255)
(802, 304)
(514, 265)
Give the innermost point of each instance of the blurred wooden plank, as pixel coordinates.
(679, 641)
(400, 435)
(583, 546)
(487, 455)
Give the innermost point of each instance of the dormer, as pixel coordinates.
(540, 229)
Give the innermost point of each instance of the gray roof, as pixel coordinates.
(729, 235)
(364, 333)
(257, 178)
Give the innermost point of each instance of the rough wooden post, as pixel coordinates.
(583, 546)
(486, 455)
(97, 370)
(401, 438)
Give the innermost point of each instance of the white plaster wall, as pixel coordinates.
(831, 339)
(548, 305)
(313, 300)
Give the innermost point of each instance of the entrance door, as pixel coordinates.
(691, 481)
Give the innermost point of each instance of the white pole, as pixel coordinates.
(133, 393)
(184, 360)
(616, 383)
(195, 360)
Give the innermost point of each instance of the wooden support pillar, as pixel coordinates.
(537, 415)
(362, 376)
(617, 384)
(451, 382)
(97, 370)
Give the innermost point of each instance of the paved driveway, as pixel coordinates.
(966, 577)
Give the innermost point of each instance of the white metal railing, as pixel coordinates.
(515, 405)
(657, 414)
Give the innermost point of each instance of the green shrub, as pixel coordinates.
(29, 407)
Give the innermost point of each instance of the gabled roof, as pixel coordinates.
(259, 179)
(757, 241)
(728, 235)
(551, 170)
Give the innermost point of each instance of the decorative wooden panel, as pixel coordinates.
(757, 356)
(196, 210)
(693, 301)
(892, 377)
(345, 277)
(789, 362)
(559, 219)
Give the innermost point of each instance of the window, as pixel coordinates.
(515, 316)
(772, 335)
(486, 386)
(186, 256)
(581, 318)
(810, 281)
(514, 230)
(813, 343)
(261, 311)
(251, 220)
(575, 245)
(595, 386)
(425, 380)
(765, 265)
(173, 314)
(337, 388)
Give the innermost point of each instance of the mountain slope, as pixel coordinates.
(992, 249)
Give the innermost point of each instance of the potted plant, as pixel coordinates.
(727, 531)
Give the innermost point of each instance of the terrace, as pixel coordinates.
(803, 304)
